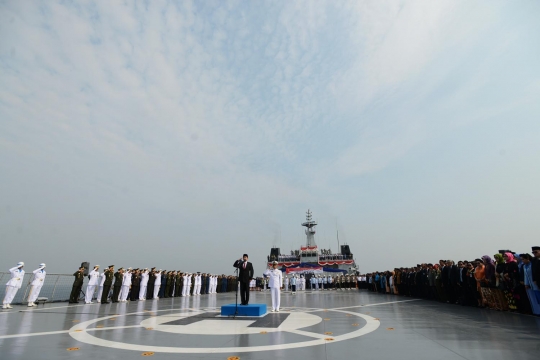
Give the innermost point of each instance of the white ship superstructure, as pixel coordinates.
(311, 256)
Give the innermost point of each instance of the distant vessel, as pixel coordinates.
(311, 259)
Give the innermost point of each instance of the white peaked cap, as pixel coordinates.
(20, 263)
(42, 264)
(96, 266)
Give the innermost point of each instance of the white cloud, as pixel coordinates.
(238, 112)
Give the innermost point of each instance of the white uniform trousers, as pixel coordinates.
(184, 290)
(276, 297)
(10, 294)
(99, 293)
(89, 293)
(124, 292)
(156, 291)
(142, 292)
(198, 291)
(34, 292)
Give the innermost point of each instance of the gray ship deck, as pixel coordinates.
(320, 325)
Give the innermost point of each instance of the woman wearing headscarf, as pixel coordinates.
(489, 282)
(510, 278)
(479, 276)
(499, 270)
(498, 291)
(394, 282)
(530, 286)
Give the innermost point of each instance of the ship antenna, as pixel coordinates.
(309, 224)
(337, 234)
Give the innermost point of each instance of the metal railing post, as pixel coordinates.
(26, 289)
(54, 289)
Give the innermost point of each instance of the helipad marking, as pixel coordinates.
(34, 334)
(320, 339)
(78, 325)
(376, 304)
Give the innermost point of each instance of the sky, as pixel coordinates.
(183, 134)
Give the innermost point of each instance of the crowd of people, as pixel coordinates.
(15, 283)
(309, 253)
(284, 258)
(123, 285)
(142, 284)
(308, 281)
(506, 282)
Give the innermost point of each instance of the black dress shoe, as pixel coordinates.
(105, 302)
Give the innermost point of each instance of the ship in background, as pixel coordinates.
(312, 260)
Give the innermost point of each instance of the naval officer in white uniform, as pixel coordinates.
(197, 285)
(92, 283)
(144, 284)
(37, 283)
(100, 289)
(213, 282)
(14, 284)
(157, 284)
(185, 283)
(126, 285)
(293, 284)
(276, 278)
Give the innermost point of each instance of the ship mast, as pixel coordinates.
(310, 231)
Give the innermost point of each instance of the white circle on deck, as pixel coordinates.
(238, 326)
(81, 333)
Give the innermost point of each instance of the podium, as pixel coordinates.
(244, 310)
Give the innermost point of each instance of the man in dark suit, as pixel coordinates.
(244, 276)
(445, 279)
(536, 265)
(453, 278)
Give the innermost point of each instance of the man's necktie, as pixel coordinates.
(244, 265)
